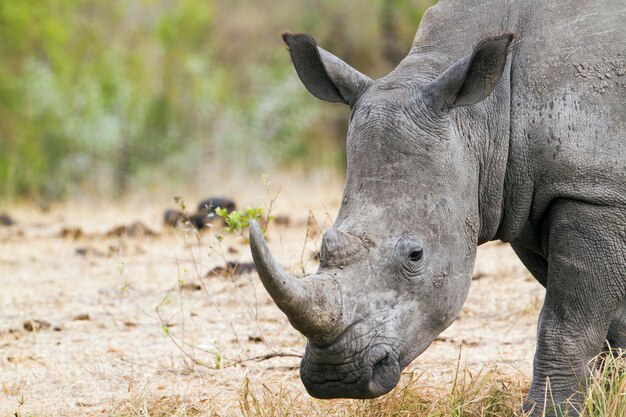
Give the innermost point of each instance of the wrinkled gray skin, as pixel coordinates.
(477, 135)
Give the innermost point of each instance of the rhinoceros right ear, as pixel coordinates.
(474, 77)
(323, 74)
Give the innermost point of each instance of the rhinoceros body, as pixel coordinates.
(507, 120)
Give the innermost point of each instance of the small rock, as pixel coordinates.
(201, 219)
(43, 205)
(86, 250)
(190, 287)
(71, 233)
(204, 216)
(255, 339)
(82, 317)
(81, 251)
(478, 275)
(209, 205)
(245, 268)
(173, 217)
(232, 269)
(443, 339)
(36, 325)
(117, 231)
(6, 220)
(282, 221)
(206, 211)
(136, 229)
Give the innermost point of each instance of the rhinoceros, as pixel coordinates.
(506, 120)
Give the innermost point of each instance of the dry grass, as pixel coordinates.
(486, 393)
(606, 394)
(175, 406)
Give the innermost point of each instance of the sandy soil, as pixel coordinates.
(116, 325)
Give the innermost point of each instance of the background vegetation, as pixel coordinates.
(107, 96)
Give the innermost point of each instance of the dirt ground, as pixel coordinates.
(92, 319)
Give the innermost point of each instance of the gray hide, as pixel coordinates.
(505, 121)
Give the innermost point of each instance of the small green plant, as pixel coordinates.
(219, 360)
(239, 220)
(180, 203)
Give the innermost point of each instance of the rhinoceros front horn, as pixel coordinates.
(312, 304)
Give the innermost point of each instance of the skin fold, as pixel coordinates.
(505, 121)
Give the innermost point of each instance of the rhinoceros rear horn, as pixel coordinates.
(312, 304)
(473, 78)
(323, 74)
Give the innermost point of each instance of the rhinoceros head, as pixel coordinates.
(396, 266)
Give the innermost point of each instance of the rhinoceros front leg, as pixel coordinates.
(536, 264)
(538, 267)
(585, 289)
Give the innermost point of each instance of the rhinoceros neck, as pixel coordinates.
(454, 27)
(449, 31)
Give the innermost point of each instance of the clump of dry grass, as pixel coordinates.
(160, 406)
(606, 393)
(486, 393)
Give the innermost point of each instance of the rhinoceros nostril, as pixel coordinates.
(385, 376)
(378, 366)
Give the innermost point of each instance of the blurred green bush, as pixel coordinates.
(101, 96)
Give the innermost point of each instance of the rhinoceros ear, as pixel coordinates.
(323, 74)
(474, 77)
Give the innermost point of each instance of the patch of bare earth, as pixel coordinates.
(130, 324)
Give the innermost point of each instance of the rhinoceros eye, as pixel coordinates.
(409, 256)
(416, 254)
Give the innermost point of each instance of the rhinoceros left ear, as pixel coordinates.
(322, 73)
(474, 77)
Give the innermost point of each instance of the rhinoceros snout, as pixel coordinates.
(369, 377)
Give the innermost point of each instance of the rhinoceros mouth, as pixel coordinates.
(374, 375)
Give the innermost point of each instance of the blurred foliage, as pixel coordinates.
(97, 95)
(239, 220)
